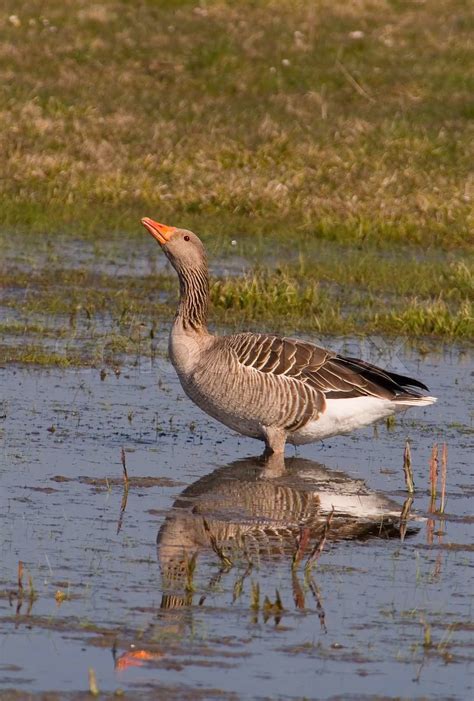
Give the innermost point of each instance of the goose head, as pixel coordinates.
(183, 248)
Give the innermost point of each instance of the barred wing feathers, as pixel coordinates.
(333, 376)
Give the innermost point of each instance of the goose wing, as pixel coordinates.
(331, 375)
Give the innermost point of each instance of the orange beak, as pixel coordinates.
(160, 232)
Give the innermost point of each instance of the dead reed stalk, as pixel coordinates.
(444, 473)
(239, 583)
(298, 592)
(430, 526)
(433, 476)
(126, 484)
(93, 687)
(255, 600)
(317, 597)
(404, 517)
(319, 547)
(407, 468)
(20, 578)
(302, 542)
(124, 466)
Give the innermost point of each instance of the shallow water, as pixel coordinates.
(131, 256)
(378, 616)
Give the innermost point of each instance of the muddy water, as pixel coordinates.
(216, 609)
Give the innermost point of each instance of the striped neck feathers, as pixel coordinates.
(194, 298)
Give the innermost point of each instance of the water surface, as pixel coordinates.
(216, 609)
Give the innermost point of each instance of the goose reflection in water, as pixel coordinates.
(254, 509)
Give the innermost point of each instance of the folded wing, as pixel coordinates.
(334, 376)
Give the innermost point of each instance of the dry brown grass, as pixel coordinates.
(341, 131)
(345, 120)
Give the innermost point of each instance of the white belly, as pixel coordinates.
(344, 415)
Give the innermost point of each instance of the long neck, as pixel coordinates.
(193, 298)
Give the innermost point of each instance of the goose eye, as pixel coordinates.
(186, 238)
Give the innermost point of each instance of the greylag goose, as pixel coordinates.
(265, 386)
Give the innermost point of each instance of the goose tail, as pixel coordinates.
(415, 401)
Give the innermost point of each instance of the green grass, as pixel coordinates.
(84, 316)
(268, 118)
(31, 354)
(332, 140)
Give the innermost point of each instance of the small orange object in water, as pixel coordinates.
(136, 658)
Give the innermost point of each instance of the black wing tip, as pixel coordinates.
(419, 384)
(407, 382)
(396, 382)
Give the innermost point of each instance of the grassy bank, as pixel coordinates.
(345, 120)
(331, 140)
(82, 316)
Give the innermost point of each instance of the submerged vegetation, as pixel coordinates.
(76, 316)
(331, 142)
(81, 316)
